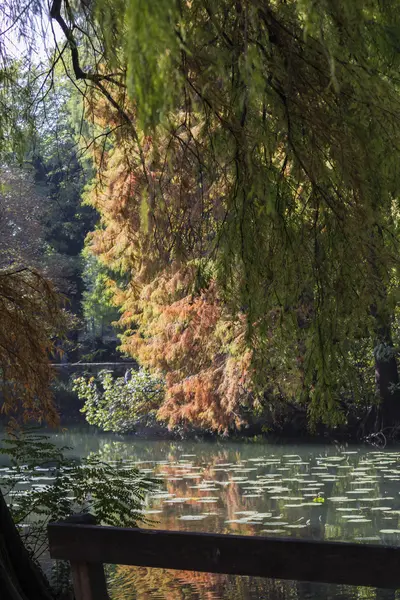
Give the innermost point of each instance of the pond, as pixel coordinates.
(319, 492)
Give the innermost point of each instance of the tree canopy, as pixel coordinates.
(247, 185)
(257, 151)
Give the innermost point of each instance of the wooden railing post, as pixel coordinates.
(88, 578)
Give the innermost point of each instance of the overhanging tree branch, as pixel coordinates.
(97, 79)
(55, 13)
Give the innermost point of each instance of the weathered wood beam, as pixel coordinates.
(326, 562)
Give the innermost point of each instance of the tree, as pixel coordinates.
(55, 151)
(262, 139)
(122, 403)
(31, 317)
(22, 206)
(98, 309)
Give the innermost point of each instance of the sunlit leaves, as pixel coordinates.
(122, 403)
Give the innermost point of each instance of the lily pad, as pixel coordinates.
(362, 520)
(273, 531)
(390, 531)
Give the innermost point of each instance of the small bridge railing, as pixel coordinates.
(88, 546)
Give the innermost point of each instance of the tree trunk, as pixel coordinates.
(387, 416)
(20, 578)
(387, 380)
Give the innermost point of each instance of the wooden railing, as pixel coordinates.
(88, 546)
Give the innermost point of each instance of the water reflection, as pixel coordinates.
(318, 492)
(129, 583)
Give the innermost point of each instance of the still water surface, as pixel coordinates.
(300, 491)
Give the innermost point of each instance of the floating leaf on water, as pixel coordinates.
(361, 491)
(273, 531)
(176, 500)
(161, 496)
(151, 512)
(359, 520)
(209, 498)
(378, 499)
(245, 512)
(292, 498)
(341, 499)
(244, 521)
(390, 531)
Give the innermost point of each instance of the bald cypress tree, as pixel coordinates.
(261, 139)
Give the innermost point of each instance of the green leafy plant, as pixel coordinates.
(43, 485)
(120, 404)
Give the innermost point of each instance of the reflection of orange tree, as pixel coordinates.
(234, 502)
(230, 498)
(142, 583)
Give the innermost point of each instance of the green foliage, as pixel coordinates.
(122, 403)
(16, 119)
(59, 486)
(99, 311)
(287, 127)
(151, 49)
(44, 485)
(262, 138)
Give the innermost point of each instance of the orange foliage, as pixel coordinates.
(155, 216)
(202, 352)
(31, 316)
